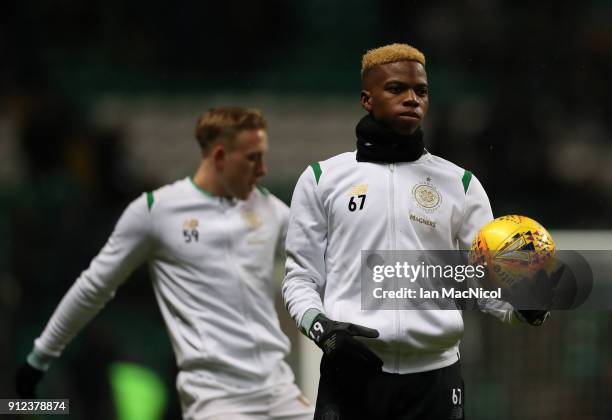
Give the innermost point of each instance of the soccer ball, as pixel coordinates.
(512, 248)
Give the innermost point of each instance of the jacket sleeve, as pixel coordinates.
(126, 249)
(477, 214)
(305, 246)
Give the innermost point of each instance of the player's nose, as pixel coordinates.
(410, 99)
(261, 170)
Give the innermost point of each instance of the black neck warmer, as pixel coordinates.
(377, 143)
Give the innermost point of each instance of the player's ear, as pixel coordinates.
(218, 153)
(366, 100)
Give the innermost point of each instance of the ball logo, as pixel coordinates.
(427, 196)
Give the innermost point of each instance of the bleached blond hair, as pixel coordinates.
(390, 54)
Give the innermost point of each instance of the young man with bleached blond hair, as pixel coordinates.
(391, 194)
(209, 241)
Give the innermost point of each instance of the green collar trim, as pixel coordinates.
(263, 190)
(202, 190)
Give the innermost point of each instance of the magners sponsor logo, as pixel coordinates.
(422, 220)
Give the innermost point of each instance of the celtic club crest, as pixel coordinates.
(427, 196)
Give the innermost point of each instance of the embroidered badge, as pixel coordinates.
(358, 190)
(251, 219)
(190, 224)
(427, 196)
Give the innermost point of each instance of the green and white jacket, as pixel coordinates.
(341, 207)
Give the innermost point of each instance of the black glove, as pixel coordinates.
(337, 342)
(26, 379)
(536, 295)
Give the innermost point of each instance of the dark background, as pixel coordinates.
(519, 95)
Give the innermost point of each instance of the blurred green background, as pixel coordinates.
(98, 102)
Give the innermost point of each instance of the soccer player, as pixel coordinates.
(209, 241)
(391, 194)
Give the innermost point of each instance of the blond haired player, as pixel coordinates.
(382, 364)
(209, 241)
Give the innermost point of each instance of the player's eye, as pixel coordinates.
(393, 88)
(422, 90)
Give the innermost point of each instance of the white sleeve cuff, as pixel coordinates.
(39, 360)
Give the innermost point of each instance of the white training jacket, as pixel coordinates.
(211, 262)
(428, 204)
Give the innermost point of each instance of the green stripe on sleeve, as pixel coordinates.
(317, 171)
(467, 177)
(150, 200)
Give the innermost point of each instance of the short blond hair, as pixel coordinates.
(390, 54)
(225, 123)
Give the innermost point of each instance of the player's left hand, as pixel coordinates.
(26, 380)
(338, 342)
(534, 297)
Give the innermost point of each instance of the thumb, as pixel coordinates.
(361, 331)
(556, 275)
